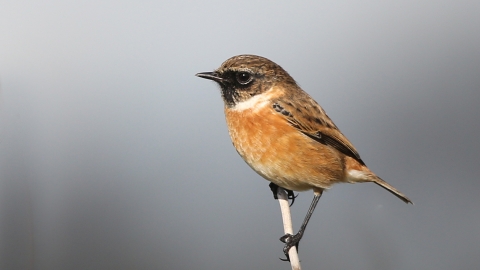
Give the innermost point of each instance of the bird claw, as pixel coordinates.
(290, 194)
(290, 241)
(286, 259)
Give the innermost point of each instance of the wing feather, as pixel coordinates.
(310, 119)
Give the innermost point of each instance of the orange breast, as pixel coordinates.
(280, 153)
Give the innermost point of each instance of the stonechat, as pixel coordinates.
(284, 135)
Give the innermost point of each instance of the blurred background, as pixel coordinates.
(113, 155)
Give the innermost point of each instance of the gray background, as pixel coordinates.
(114, 156)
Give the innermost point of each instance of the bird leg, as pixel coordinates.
(294, 240)
(290, 194)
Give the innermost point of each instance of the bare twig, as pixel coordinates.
(287, 226)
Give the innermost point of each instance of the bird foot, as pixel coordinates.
(290, 194)
(290, 241)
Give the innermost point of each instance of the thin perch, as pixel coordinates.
(287, 226)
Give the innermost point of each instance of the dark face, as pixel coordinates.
(244, 76)
(241, 84)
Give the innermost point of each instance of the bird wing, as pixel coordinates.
(309, 118)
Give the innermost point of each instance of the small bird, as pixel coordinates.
(284, 135)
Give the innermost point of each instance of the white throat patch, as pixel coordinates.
(255, 102)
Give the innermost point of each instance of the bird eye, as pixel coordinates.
(244, 78)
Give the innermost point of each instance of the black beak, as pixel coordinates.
(211, 76)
